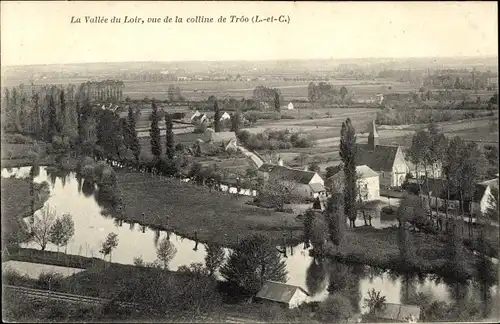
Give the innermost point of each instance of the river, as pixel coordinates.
(91, 228)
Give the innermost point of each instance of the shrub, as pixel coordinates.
(50, 280)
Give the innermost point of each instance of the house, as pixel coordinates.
(380, 98)
(195, 115)
(399, 313)
(226, 139)
(387, 160)
(368, 182)
(225, 116)
(290, 106)
(419, 172)
(288, 296)
(307, 184)
(481, 199)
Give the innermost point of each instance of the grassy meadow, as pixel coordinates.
(184, 208)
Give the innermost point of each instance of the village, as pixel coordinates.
(333, 163)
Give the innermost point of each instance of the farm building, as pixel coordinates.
(399, 313)
(388, 160)
(420, 171)
(307, 184)
(380, 98)
(225, 116)
(288, 296)
(481, 199)
(368, 182)
(290, 106)
(209, 136)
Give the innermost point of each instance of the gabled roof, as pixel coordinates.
(289, 174)
(317, 187)
(380, 159)
(363, 172)
(398, 312)
(266, 167)
(221, 136)
(278, 291)
(493, 183)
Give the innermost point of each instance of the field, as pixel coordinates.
(291, 90)
(185, 208)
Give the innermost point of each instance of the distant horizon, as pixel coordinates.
(265, 60)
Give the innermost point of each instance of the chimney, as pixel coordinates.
(373, 136)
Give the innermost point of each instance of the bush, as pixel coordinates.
(17, 139)
(50, 281)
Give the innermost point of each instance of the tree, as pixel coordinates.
(419, 154)
(62, 123)
(155, 132)
(309, 217)
(336, 308)
(131, 134)
(165, 252)
(335, 218)
(235, 122)
(52, 119)
(62, 231)
(277, 105)
(375, 302)
(214, 258)
(311, 93)
(348, 156)
(40, 227)
(254, 261)
(217, 126)
(332, 170)
(314, 167)
(317, 203)
(406, 252)
(278, 190)
(109, 245)
(169, 136)
(319, 235)
(343, 92)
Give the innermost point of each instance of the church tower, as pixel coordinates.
(373, 136)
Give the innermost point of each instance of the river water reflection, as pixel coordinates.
(92, 226)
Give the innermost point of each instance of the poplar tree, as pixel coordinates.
(134, 144)
(169, 136)
(155, 132)
(348, 156)
(216, 116)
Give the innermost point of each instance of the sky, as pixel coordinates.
(41, 32)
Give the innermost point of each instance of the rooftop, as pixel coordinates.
(380, 159)
(278, 291)
(296, 175)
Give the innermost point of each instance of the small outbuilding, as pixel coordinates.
(280, 293)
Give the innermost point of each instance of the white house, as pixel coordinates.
(479, 203)
(368, 182)
(290, 106)
(307, 184)
(196, 114)
(380, 98)
(288, 296)
(225, 116)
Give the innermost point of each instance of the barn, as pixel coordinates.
(288, 296)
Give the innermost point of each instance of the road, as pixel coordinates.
(254, 157)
